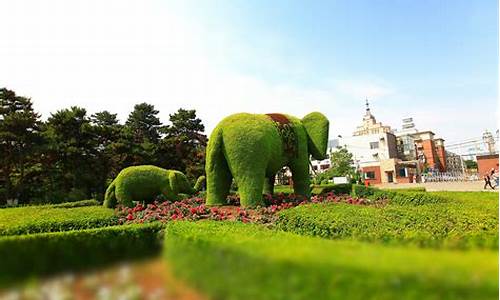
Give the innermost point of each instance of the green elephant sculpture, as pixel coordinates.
(144, 183)
(252, 148)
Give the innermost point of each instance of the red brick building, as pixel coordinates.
(486, 162)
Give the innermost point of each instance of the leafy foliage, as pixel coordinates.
(245, 261)
(341, 165)
(73, 156)
(19, 140)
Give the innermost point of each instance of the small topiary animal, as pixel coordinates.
(144, 183)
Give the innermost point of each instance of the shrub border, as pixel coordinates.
(30, 255)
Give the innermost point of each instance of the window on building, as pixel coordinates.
(374, 145)
(324, 167)
(402, 172)
(370, 175)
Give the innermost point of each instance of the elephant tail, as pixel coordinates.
(109, 197)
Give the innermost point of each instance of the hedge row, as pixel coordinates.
(337, 189)
(432, 225)
(245, 261)
(402, 197)
(36, 219)
(91, 202)
(45, 253)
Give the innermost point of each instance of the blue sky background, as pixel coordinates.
(436, 61)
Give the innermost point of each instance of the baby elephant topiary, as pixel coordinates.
(252, 148)
(144, 183)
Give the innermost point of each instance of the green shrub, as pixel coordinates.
(91, 202)
(76, 194)
(412, 189)
(395, 196)
(285, 189)
(243, 261)
(46, 253)
(431, 225)
(362, 191)
(337, 189)
(34, 219)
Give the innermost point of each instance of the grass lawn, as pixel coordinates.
(34, 219)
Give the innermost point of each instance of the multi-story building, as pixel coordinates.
(384, 155)
(454, 163)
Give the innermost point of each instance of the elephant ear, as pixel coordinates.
(317, 126)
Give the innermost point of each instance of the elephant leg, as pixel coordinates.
(301, 179)
(218, 181)
(269, 185)
(123, 197)
(250, 186)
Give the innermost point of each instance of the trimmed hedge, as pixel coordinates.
(31, 255)
(337, 189)
(452, 225)
(36, 219)
(402, 197)
(91, 202)
(411, 189)
(246, 261)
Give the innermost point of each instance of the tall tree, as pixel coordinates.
(19, 139)
(144, 123)
(141, 134)
(108, 163)
(72, 147)
(185, 138)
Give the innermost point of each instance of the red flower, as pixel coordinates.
(130, 217)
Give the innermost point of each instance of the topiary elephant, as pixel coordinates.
(144, 183)
(252, 148)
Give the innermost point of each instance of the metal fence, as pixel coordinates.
(449, 176)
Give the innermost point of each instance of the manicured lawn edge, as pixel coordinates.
(247, 261)
(45, 253)
(443, 225)
(90, 202)
(38, 219)
(401, 197)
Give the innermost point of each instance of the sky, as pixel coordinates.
(435, 61)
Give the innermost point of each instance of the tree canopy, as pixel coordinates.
(74, 155)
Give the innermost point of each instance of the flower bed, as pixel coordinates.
(194, 209)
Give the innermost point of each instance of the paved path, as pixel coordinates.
(440, 186)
